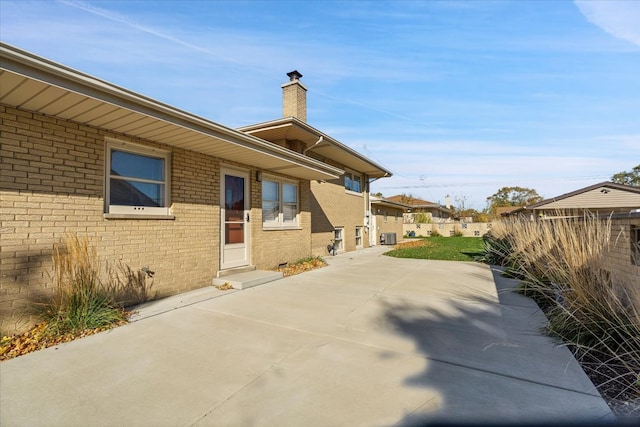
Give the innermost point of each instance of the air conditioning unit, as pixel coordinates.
(388, 239)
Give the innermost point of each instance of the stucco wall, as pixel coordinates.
(447, 229)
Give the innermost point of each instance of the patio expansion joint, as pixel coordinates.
(270, 368)
(423, 356)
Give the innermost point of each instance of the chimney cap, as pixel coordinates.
(294, 75)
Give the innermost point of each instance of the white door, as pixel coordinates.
(234, 218)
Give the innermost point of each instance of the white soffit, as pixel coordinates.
(32, 83)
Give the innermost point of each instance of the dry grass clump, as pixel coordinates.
(560, 262)
(80, 300)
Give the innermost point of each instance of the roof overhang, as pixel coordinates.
(36, 84)
(292, 128)
(632, 191)
(388, 203)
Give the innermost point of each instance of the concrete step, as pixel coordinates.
(248, 279)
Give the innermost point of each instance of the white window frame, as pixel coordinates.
(129, 210)
(359, 236)
(279, 223)
(338, 239)
(348, 175)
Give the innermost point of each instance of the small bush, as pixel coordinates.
(495, 250)
(422, 218)
(80, 301)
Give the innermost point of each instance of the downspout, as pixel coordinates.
(313, 146)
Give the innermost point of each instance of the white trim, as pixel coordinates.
(361, 237)
(279, 223)
(341, 239)
(352, 175)
(246, 174)
(136, 211)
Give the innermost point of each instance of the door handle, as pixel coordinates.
(248, 218)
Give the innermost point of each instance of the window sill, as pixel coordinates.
(276, 228)
(352, 193)
(136, 216)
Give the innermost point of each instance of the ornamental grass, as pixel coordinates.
(560, 262)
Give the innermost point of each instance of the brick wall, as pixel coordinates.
(392, 224)
(333, 207)
(273, 247)
(52, 182)
(619, 261)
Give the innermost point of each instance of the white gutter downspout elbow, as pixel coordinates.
(313, 146)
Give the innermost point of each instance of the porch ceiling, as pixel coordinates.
(36, 84)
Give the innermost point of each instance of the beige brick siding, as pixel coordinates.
(294, 100)
(393, 223)
(273, 247)
(52, 182)
(333, 207)
(619, 261)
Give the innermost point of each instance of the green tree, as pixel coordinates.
(628, 178)
(512, 196)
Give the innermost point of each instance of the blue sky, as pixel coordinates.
(458, 98)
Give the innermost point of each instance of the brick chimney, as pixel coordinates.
(294, 97)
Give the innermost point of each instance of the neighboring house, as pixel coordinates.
(505, 211)
(422, 210)
(387, 217)
(617, 202)
(603, 198)
(340, 206)
(152, 185)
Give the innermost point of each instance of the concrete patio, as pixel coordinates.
(368, 341)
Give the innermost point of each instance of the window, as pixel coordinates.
(337, 239)
(358, 237)
(137, 180)
(384, 214)
(352, 182)
(279, 204)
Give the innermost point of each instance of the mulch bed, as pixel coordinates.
(38, 338)
(293, 269)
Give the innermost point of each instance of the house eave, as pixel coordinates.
(33, 83)
(296, 129)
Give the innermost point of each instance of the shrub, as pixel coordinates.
(495, 249)
(422, 218)
(80, 300)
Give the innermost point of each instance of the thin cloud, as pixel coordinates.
(116, 17)
(619, 18)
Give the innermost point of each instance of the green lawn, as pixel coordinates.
(442, 248)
